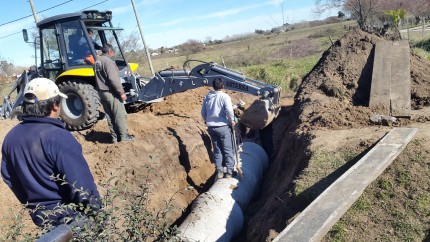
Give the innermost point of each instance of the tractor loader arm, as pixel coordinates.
(257, 116)
(11, 108)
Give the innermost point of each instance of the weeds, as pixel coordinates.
(362, 204)
(338, 232)
(423, 44)
(124, 216)
(17, 231)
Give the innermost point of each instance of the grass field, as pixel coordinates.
(275, 58)
(282, 59)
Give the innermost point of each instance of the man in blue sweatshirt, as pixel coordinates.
(217, 112)
(40, 148)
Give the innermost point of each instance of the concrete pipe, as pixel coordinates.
(217, 215)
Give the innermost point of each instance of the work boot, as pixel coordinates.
(229, 174)
(128, 138)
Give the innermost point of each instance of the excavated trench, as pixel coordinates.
(332, 99)
(173, 148)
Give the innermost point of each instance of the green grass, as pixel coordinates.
(282, 72)
(259, 57)
(323, 169)
(395, 207)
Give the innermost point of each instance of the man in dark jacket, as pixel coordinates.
(112, 94)
(39, 149)
(217, 112)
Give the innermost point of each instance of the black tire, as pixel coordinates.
(81, 108)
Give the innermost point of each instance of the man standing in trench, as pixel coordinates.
(40, 150)
(112, 94)
(217, 112)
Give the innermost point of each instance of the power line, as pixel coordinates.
(10, 35)
(37, 12)
(15, 20)
(14, 33)
(95, 4)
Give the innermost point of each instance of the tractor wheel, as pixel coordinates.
(81, 108)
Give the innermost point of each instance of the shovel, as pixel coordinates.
(235, 150)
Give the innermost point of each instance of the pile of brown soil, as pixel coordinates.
(171, 153)
(334, 96)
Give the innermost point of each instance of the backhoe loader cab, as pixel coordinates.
(67, 57)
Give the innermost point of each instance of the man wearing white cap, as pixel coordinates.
(40, 148)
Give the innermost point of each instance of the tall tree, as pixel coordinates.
(361, 10)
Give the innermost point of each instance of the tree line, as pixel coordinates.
(369, 13)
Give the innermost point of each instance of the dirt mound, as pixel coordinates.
(171, 153)
(333, 96)
(172, 150)
(337, 90)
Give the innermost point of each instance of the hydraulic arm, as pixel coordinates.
(257, 116)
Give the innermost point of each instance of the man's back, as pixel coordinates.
(37, 149)
(107, 74)
(216, 108)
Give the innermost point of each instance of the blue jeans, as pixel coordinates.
(222, 147)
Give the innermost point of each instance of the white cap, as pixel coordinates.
(42, 89)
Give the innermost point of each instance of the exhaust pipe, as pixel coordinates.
(217, 215)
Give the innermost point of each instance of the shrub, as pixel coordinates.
(191, 47)
(125, 216)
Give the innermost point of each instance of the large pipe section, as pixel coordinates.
(217, 215)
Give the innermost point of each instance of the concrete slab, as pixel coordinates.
(390, 92)
(318, 218)
(381, 80)
(400, 79)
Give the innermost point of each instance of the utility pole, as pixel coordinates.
(36, 20)
(34, 11)
(143, 39)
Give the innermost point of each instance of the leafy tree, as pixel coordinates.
(396, 16)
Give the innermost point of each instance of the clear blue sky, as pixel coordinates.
(164, 22)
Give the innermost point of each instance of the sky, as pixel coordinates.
(164, 22)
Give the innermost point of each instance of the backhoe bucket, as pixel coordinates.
(260, 114)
